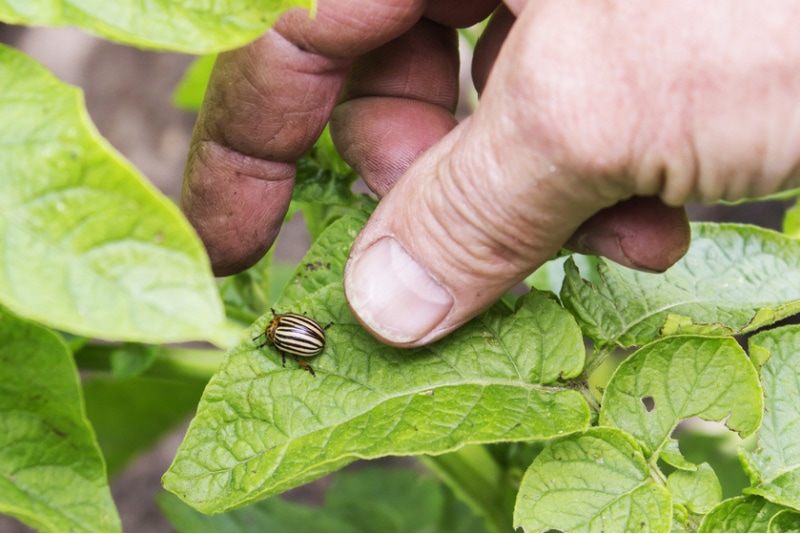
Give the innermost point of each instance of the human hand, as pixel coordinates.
(267, 103)
(589, 108)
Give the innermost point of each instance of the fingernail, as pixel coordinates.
(393, 295)
(611, 246)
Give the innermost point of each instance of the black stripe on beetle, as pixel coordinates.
(298, 335)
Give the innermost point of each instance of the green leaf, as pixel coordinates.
(785, 521)
(734, 279)
(774, 198)
(791, 220)
(740, 514)
(89, 246)
(132, 359)
(550, 276)
(325, 156)
(262, 428)
(671, 454)
(247, 294)
(592, 481)
(52, 475)
(323, 264)
(191, 89)
(699, 491)
(323, 178)
(674, 379)
(367, 500)
(317, 185)
(774, 467)
(130, 415)
(323, 187)
(180, 25)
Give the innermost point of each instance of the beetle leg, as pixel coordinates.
(306, 366)
(327, 325)
(283, 358)
(266, 340)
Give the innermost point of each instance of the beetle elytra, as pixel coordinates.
(295, 334)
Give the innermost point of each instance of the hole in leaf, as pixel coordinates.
(649, 403)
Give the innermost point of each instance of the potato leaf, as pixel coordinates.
(734, 279)
(699, 491)
(741, 514)
(593, 481)
(182, 25)
(262, 428)
(88, 245)
(774, 467)
(52, 474)
(677, 378)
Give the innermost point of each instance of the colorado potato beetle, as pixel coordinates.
(298, 335)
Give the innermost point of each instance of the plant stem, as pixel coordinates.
(476, 478)
(596, 358)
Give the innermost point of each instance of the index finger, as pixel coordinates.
(265, 106)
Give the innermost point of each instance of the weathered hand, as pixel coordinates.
(595, 119)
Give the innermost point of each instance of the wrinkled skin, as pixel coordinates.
(597, 122)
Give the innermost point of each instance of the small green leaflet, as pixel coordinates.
(88, 245)
(52, 475)
(694, 494)
(192, 88)
(317, 184)
(593, 481)
(699, 491)
(744, 514)
(262, 428)
(734, 279)
(774, 467)
(785, 521)
(791, 220)
(190, 26)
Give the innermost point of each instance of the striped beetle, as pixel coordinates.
(294, 334)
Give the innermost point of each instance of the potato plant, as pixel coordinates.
(576, 406)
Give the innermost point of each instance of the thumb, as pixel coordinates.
(456, 232)
(494, 199)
